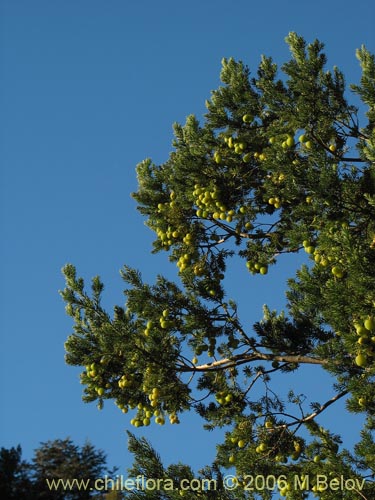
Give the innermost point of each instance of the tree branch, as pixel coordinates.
(312, 416)
(243, 358)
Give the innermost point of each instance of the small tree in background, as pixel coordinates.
(59, 470)
(62, 459)
(280, 166)
(15, 483)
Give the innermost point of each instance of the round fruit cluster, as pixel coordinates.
(257, 267)
(91, 376)
(183, 262)
(365, 329)
(324, 260)
(305, 141)
(210, 205)
(239, 147)
(223, 397)
(146, 411)
(275, 201)
(125, 381)
(168, 237)
(288, 143)
(148, 328)
(164, 319)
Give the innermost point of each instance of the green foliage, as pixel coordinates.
(62, 459)
(60, 470)
(280, 165)
(15, 483)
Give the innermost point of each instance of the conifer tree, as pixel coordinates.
(282, 164)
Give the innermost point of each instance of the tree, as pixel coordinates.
(15, 482)
(280, 165)
(62, 459)
(60, 470)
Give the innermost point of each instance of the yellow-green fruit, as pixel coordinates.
(268, 424)
(217, 158)
(369, 323)
(290, 141)
(337, 271)
(317, 459)
(302, 138)
(263, 270)
(361, 360)
(308, 144)
(332, 148)
(363, 340)
(241, 443)
(232, 459)
(100, 391)
(361, 401)
(310, 249)
(360, 329)
(246, 157)
(297, 446)
(247, 118)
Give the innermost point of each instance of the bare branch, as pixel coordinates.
(243, 358)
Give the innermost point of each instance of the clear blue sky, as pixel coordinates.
(88, 89)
